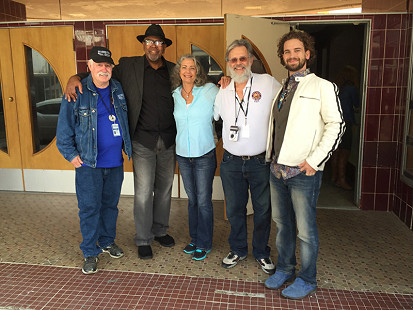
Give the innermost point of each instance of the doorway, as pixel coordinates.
(340, 47)
(339, 43)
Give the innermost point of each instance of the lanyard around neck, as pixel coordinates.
(241, 102)
(111, 116)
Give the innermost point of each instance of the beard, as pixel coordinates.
(240, 78)
(296, 67)
(154, 57)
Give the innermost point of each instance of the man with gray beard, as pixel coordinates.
(244, 106)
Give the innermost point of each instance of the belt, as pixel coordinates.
(248, 157)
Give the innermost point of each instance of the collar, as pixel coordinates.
(298, 75)
(147, 65)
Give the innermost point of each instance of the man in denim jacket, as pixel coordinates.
(91, 134)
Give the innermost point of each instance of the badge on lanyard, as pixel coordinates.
(245, 131)
(115, 130)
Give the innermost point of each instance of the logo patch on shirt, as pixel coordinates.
(121, 97)
(256, 96)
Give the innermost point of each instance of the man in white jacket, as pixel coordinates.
(305, 127)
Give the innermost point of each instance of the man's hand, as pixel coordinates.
(307, 168)
(76, 162)
(70, 92)
(224, 82)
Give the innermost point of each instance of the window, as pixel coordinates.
(45, 97)
(211, 67)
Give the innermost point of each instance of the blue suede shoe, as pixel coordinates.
(299, 289)
(278, 279)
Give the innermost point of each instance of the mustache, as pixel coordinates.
(240, 66)
(103, 74)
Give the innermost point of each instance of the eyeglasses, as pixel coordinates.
(241, 59)
(149, 42)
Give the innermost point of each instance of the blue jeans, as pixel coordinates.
(98, 191)
(153, 172)
(294, 204)
(237, 177)
(198, 174)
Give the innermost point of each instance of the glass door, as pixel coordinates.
(10, 156)
(35, 63)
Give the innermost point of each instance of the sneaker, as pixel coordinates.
(266, 265)
(145, 252)
(231, 260)
(200, 254)
(190, 248)
(278, 279)
(166, 241)
(113, 250)
(90, 265)
(299, 289)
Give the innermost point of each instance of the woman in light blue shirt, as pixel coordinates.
(195, 149)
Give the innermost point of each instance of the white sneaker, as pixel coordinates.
(266, 265)
(231, 260)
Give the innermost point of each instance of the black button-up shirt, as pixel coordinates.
(156, 115)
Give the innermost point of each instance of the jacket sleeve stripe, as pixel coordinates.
(342, 128)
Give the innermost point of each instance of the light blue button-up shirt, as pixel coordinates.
(195, 135)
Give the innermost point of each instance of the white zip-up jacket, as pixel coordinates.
(314, 127)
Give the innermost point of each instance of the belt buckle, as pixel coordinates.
(246, 157)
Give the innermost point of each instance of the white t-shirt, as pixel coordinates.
(251, 119)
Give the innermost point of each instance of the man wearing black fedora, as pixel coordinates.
(146, 84)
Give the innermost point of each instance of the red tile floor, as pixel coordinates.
(365, 262)
(45, 287)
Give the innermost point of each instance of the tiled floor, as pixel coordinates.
(365, 262)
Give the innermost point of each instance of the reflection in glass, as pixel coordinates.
(45, 97)
(214, 73)
(211, 67)
(3, 138)
(257, 64)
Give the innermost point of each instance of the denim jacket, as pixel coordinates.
(76, 132)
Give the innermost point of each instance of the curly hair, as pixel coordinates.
(304, 37)
(200, 78)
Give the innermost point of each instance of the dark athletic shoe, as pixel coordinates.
(200, 254)
(90, 265)
(113, 250)
(145, 252)
(190, 248)
(166, 241)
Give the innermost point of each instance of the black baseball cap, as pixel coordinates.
(101, 54)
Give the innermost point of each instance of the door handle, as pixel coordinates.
(11, 99)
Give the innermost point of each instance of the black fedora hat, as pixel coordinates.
(154, 30)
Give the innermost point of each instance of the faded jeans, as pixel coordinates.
(293, 204)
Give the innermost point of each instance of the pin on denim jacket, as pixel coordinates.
(76, 132)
